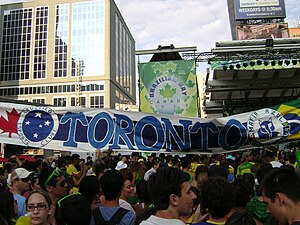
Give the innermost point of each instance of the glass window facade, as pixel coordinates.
(51, 89)
(16, 44)
(123, 52)
(40, 47)
(42, 44)
(88, 36)
(97, 101)
(61, 40)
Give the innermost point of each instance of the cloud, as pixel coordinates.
(182, 23)
(198, 23)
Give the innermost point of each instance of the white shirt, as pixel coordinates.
(125, 205)
(149, 173)
(154, 220)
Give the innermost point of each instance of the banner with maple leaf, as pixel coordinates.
(169, 87)
(84, 129)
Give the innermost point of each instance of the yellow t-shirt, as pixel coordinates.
(193, 168)
(71, 170)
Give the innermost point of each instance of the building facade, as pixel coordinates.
(66, 53)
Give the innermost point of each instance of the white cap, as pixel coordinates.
(20, 173)
(121, 165)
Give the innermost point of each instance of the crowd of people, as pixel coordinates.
(258, 186)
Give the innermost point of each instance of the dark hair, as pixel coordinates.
(242, 192)
(185, 162)
(262, 171)
(216, 197)
(3, 221)
(281, 180)
(111, 183)
(44, 176)
(127, 174)
(43, 193)
(75, 157)
(73, 209)
(218, 171)
(200, 169)
(163, 183)
(155, 161)
(141, 191)
(89, 187)
(7, 206)
(99, 166)
(240, 217)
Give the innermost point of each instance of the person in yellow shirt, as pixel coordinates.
(247, 164)
(76, 175)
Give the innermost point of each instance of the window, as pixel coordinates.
(40, 53)
(97, 102)
(61, 40)
(60, 101)
(82, 101)
(16, 45)
(39, 100)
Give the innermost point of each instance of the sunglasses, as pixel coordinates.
(57, 172)
(62, 184)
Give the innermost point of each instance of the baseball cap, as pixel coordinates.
(141, 160)
(20, 173)
(230, 157)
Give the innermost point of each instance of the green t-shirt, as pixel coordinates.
(244, 168)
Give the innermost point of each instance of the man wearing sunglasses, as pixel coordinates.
(55, 184)
(20, 183)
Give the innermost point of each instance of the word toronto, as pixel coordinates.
(152, 134)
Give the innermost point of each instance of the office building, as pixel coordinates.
(66, 53)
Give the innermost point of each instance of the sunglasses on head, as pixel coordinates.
(26, 179)
(57, 172)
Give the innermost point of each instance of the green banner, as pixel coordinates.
(169, 87)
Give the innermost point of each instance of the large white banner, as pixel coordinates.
(86, 129)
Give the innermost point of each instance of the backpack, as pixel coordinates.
(115, 219)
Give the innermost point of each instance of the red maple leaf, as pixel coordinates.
(10, 126)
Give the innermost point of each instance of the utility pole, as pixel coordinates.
(78, 80)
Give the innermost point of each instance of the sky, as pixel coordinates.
(184, 23)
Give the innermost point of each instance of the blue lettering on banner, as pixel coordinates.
(205, 128)
(92, 130)
(157, 126)
(40, 126)
(223, 137)
(73, 117)
(122, 132)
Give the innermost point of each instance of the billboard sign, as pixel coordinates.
(262, 31)
(259, 9)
